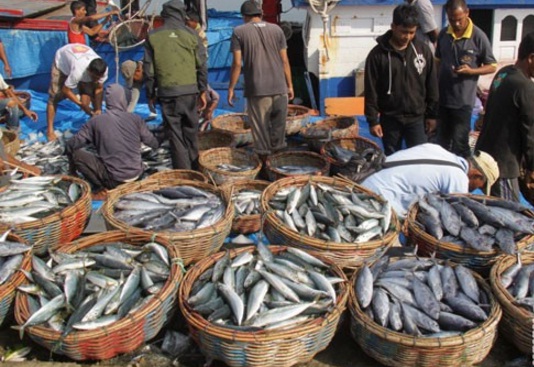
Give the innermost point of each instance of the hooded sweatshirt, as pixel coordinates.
(175, 58)
(400, 85)
(117, 136)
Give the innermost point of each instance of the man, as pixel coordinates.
(78, 67)
(11, 106)
(508, 129)
(262, 49)
(464, 53)
(435, 170)
(117, 136)
(398, 64)
(428, 29)
(78, 27)
(175, 65)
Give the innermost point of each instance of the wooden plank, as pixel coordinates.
(344, 106)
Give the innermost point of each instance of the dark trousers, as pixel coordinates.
(395, 131)
(180, 119)
(507, 188)
(93, 170)
(453, 129)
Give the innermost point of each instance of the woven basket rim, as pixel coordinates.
(206, 156)
(304, 155)
(216, 123)
(326, 123)
(313, 242)
(8, 288)
(260, 336)
(77, 336)
(426, 342)
(176, 173)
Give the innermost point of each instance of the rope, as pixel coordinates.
(323, 8)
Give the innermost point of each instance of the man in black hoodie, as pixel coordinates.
(117, 136)
(401, 85)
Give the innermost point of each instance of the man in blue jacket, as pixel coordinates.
(401, 85)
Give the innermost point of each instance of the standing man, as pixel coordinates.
(428, 29)
(76, 67)
(398, 64)
(262, 49)
(508, 129)
(464, 53)
(175, 66)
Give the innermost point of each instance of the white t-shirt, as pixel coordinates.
(402, 185)
(3, 84)
(73, 60)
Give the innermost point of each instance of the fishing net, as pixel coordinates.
(129, 34)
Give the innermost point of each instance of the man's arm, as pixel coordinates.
(11, 94)
(148, 72)
(482, 70)
(287, 74)
(371, 96)
(147, 137)
(432, 95)
(235, 71)
(3, 57)
(70, 95)
(526, 125)
(98, 98)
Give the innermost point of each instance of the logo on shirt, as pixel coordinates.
(79, 49)
(173, 35)
(498, 80)
(419, 62)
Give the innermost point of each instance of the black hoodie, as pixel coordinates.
(403, 86)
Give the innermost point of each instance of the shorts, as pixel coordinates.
(57, 81)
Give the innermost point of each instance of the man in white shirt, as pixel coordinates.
(440, 171)
(78, 68)
(428, 30)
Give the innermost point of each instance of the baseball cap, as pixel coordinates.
(250, 7)
(128, 70)
(487, 166)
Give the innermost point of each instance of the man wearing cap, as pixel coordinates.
(508, 129)
(132, 72)
(176, 73)
(426, 168)
(262, 50)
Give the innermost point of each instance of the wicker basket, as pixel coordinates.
(58, 228)
(209, 159)
(264, 348)
(236, 124)
(179, 174)
(190, 246)
(339, 127)
(480, 261)
(246, 224)
(8, 289)
(516, 323)
(11, 142)
(297, 117)
(215, 139)
(356, 144)
(296, 158)
(349, 256)
(122, 336)
(393, 348)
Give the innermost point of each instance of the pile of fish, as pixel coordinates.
(29, 199)
(11, 256)
(247, 202)
(519, 283)
(176, 209)
(476, 223)
(421, 297)
(48, 156)
(234, 168)
(297, 169)
(95, 287)
(156, 160)
(263, 290)
(355, 162)
(323, 211)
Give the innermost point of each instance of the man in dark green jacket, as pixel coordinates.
(176, 74)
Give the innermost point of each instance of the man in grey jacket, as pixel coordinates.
(117, 136)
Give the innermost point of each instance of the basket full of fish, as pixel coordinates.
(46, 210)
(411, 311)
(293, 163)
(105, 294)
(194, 216)
(223, 165)
(342, 221)
(335, 127)
(263, 306)
(236, 124)
(297, 117)
(355, 158)
(472, 230)
(513, 286)
(15, 257)
(246, 197)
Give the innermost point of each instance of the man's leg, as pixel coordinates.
(278, 122)
(444, 128)
(461, 129)
(392, 130)
(259, 112)
(57, 80)
(414, 133)
(13, 116)
(92, 168)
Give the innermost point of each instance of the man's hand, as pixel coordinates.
(32, 115)
(464, 70)
(202, 101)
(430, 127)
(290, 94)
(97, 112)
(87, 109)
(51, 135)
(7, 70)
(231, 97)
(376, 130)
